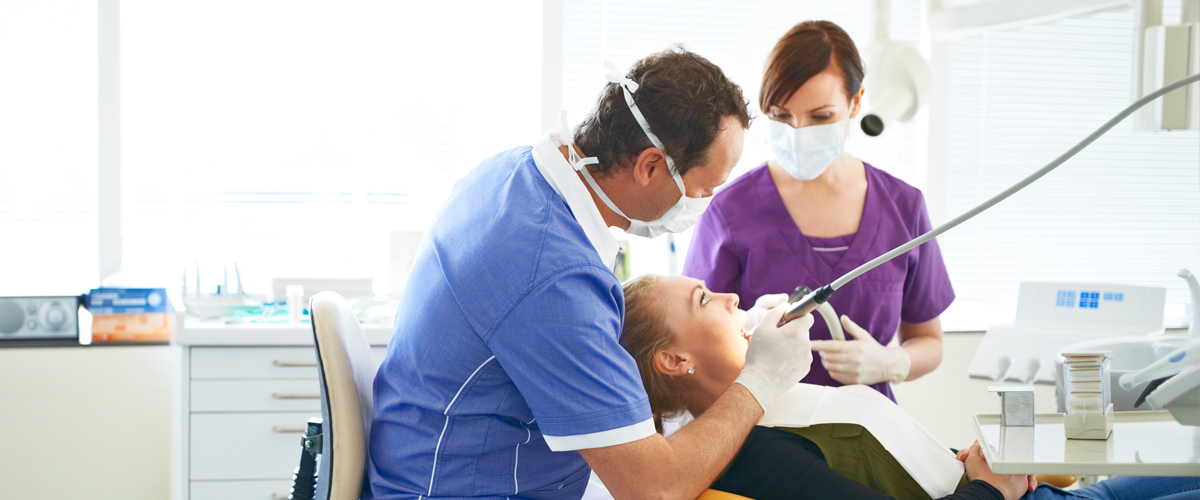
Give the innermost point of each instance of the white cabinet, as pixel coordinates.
(242, 409)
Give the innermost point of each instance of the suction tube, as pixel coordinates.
(821, 295)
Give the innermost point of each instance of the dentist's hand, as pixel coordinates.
(862, 360)
(765, 303)
(778, 356)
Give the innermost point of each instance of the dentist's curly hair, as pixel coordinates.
(645, 335)
(684, 98)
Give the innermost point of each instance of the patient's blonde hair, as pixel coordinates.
(645, 335)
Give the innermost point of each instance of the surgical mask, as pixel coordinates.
(806, 152)
(680, 216)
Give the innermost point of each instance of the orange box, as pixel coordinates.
(143, 327)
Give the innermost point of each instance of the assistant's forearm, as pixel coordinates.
(925, 353)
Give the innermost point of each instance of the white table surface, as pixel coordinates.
(218, 333)
(1143, 443)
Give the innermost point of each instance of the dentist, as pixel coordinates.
(505, 377)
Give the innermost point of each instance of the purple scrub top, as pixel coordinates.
(746, 243)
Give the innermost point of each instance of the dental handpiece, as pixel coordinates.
(821, 295)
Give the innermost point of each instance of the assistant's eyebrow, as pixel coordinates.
(819, 108)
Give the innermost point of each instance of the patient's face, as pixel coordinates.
(707, 328)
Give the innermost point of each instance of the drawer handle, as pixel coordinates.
(280, 496)
(289, 430)
(289, 395)
(294, 364)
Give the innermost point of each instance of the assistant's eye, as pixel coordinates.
(704, 298)
(823, 117)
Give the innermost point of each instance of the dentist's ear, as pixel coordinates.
(671, 363)
(647, 164)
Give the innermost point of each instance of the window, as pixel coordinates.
(293, 137)
(48, 143)
(1125, 210)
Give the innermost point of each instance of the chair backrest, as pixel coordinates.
(346, 371)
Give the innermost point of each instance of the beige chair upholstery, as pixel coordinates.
(346, 371)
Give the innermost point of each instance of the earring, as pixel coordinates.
(691, 370)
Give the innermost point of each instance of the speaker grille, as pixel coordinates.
(12, 316)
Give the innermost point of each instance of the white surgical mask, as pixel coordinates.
(806, 152)
(682, 215)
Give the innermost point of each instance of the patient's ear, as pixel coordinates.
(671, 363)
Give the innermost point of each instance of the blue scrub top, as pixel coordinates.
(506, 345)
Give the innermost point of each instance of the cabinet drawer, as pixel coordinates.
(233, 446)
(254, 362)
(256, 395)
(240, 490)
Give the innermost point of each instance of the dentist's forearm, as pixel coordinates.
(684, 465)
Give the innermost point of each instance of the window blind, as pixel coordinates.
(48, 147)
(292, 137)
(737, 37)
(1126, 210)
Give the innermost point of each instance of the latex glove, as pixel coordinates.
(862, 360)
(1011, 486)
(777, 357)
(765, 303)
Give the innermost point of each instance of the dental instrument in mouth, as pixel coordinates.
(811, 301)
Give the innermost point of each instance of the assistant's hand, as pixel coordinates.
(778, 356)
(1011, 486)
(765, 303)
(862, 360)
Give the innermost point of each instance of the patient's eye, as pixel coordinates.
(704, 298)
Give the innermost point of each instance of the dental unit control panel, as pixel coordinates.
(1051, 316)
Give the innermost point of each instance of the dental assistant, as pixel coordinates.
(505, 377)
(815, 212)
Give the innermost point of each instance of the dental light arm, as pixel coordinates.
(821, 295)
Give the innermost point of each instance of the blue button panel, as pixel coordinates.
(1087, 299)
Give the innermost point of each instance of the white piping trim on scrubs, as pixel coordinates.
(517, 459)
(611, 437)
(830, 249)
(446, 412)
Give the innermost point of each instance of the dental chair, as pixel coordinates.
(345, 371)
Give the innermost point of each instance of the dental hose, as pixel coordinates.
(821, 295)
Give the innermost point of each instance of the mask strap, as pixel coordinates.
(614, 75)
(565, 137)
(580, 164)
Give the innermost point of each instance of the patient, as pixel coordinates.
(689, 346)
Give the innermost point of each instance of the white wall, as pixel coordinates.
(85, 422)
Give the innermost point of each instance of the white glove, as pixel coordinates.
(765, 303)
(863, 360)
(778, 356)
